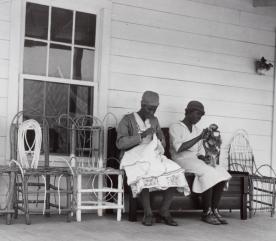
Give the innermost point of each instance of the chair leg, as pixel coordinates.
(68, 198)
(25, 200)
(100, 195)
(250, 194)
(120, 197)
(79, 189)
(273, 199)
(243, 207)
(16, 197)
(47, 213)
(10, 201)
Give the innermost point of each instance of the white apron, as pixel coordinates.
(147, 167)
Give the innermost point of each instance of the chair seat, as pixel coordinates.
(93, 171)
(54, 171)
(7, 169)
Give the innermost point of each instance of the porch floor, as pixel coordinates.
(260, 227)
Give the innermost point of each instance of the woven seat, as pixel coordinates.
(262, 179)
(41, 188)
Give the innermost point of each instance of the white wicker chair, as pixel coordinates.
(87, 147)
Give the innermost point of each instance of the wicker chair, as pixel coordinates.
(262, 179)
(38, 180)
(7, 172)
(96, 188)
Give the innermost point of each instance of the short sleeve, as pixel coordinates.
(178, 135)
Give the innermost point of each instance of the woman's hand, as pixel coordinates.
(205, 133)
(206, 159)
(149, 131)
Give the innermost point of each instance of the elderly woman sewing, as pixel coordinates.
(187, 150)
(147, 169)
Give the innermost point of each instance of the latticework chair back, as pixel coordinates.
(88, 135)
(38, 182)
(240, 153)
(262, 179)
(87, 140)
(263, 188)
(29, 137)
(87, 151)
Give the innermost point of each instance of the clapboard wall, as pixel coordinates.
(203, 50)
(183, 49)
(4, 72)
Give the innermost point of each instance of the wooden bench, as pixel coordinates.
(234, 198)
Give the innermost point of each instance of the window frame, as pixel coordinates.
(93, 83)
(102, 9)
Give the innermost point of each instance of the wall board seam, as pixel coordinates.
(192, 33)
(184, 64)
(206, 19)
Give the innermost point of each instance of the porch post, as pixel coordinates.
(15, 54)
(273, 141)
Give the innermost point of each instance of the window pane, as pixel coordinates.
(59, 61)
(35, 53)
(85, 29)
(81, 100)
(55, 105)
(61, 25)
(83, 64)
(33, 96)
(56, 99)
(52, 99)
(36, 24)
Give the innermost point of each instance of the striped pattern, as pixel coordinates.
(196, 49)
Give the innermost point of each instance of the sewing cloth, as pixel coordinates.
(144, 164)
(206, 176)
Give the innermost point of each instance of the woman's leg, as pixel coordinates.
(217, 193)
(145, 198)
(207, 215)
(207, 200)
(166, 202)
(164, 211)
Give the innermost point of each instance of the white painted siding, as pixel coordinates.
(4, 72)
(196, 49)
(183, 49)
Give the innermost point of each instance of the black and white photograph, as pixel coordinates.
(137, 120)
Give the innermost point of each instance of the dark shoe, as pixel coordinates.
(208, 217)
(147, 221)
(168, 220)
(219, 217)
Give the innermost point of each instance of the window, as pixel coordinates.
(58, 66)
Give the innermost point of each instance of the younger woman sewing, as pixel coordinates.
(187, 150)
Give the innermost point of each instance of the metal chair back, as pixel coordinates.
(240, 153)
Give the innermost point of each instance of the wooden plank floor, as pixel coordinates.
(261, 227)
